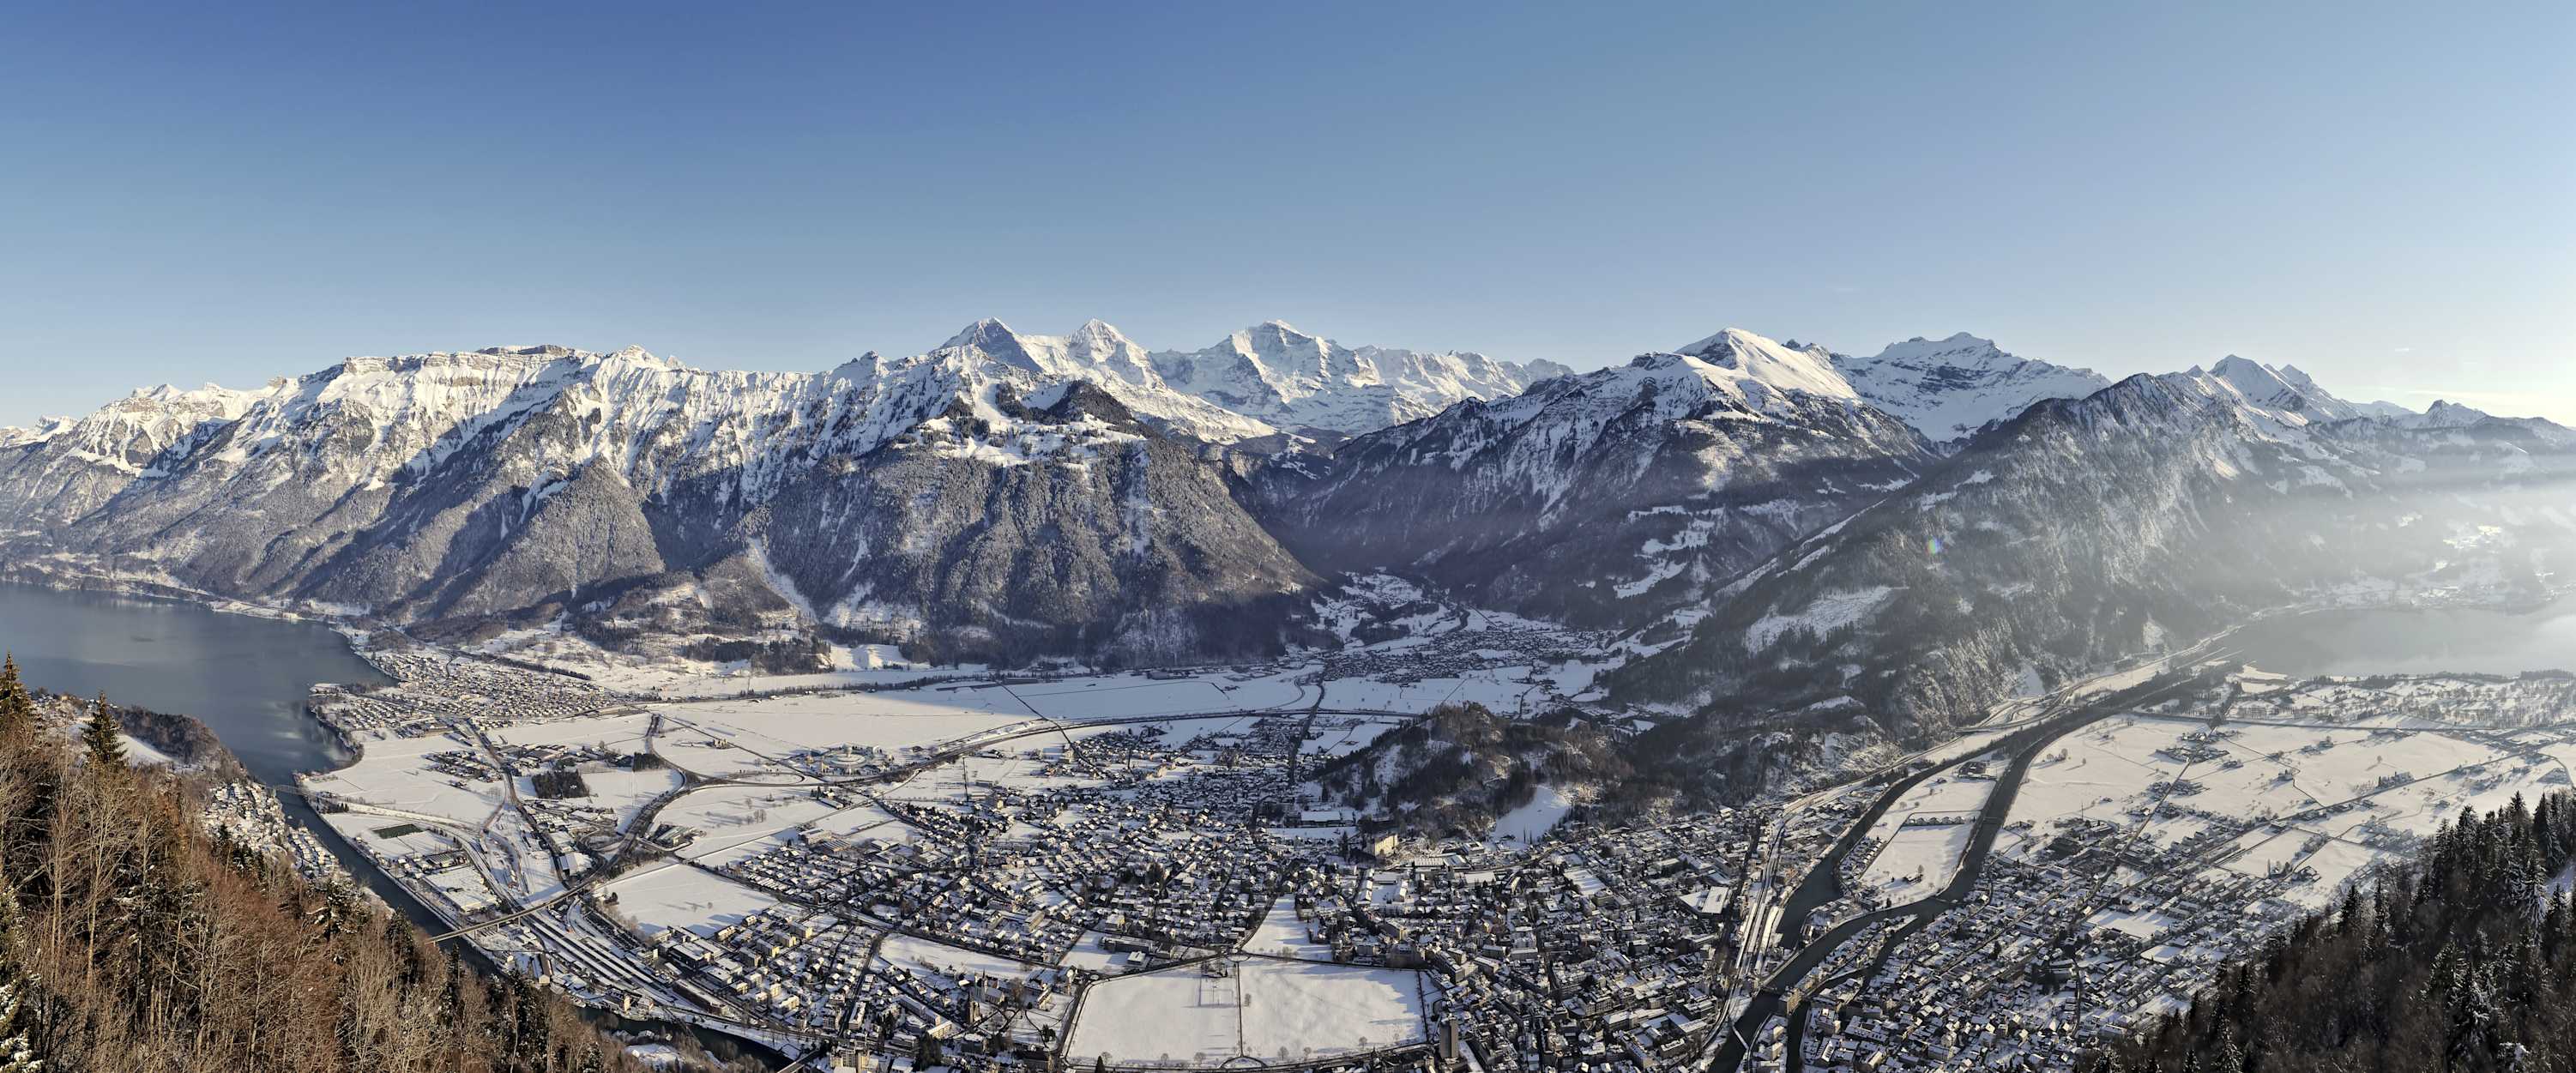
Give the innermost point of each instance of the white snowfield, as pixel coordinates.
(1270, 1009)
(1530, 823)
(678, 896)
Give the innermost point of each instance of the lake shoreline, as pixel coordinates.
(312, 744)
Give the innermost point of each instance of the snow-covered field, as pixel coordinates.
(1267, 1009)
(914, 952)
(1529, 823)
(1282, 934)
(1920, 860)
(678, 896)
(2357, 793)
(393, 776)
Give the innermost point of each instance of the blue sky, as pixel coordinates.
(2383, 194)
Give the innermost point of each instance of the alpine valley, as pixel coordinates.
(1049, 702)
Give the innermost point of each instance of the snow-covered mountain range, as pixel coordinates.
(1319, 388)
(1263, 381)
(1883, 543)
(883, 498)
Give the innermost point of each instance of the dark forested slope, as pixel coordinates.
(2464, 961)
(132, 940)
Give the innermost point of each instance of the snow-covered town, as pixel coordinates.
(1139, 871)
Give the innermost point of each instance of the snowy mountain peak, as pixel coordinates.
(1949, 388)
(993, 339)
(1100, 334)
(2444, 412)
(986, 329)
(2284, 391)
(1742, 357)
(45, 428)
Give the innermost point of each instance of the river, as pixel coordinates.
(246, 678)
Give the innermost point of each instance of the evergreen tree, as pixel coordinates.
(17, 706)
(102, 740)
(2460, 961)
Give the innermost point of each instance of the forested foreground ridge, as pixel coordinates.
(2464, 961)
(132, 939)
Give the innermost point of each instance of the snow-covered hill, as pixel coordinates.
(1949, 388)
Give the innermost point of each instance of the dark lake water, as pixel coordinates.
(244, 677)
(2414, 642)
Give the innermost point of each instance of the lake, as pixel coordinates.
(246, 678)
(2360, 643)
